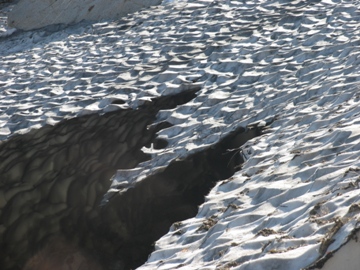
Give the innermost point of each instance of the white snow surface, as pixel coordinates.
(295, 63)
(34, 14)
(5, 30)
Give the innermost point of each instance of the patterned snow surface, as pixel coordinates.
(295, 63)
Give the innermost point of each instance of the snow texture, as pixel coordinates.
(292, 63)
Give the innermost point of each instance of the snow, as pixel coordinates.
(35, 14)
(293, 64)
